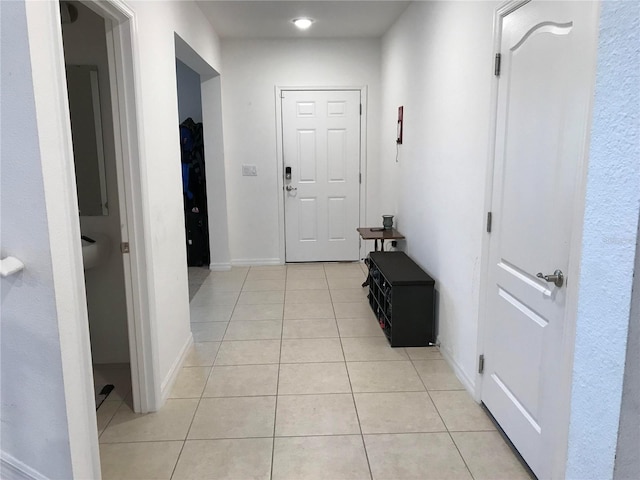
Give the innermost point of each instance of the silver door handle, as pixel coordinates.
(557, 278)
(289, 188)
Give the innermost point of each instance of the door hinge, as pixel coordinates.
(481, 364)
(124, 247)
(360, 178)
(360, 109)
(496, 65)
(489, 221)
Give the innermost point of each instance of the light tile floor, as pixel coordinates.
(290, 378)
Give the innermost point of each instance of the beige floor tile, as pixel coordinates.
(268, 268)
(359, 327)
(301, 415)
(139, 461)
(308, 296)
(303, 311)
(437, 375)
(420, 456)
(305, 266)
(208, 331)
(267, 311)
(384, 377)
(210, 313)
(235, 417)
(215, 284)
(303, 274)
(364, 349)
(266, 275)
(488, 456)
(424, 353)
(300, 378)
(208, 297)
(248, 352)
(347, 295)
(311, 350)
(263, 297)
(315, 328)
(190, 382)
(235, 272)
(343, 269)
(320, 458)
(242, 380)
(399, 412)
(106, 412)
(460, 412)
(340, 283)
(202, 354)
(353, 310)
(263, 285)
(171, 422)
(307, 284)
(254, 330)
(245, 459)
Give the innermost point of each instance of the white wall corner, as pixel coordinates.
(13, 469)
(468, 383)
(170, 380)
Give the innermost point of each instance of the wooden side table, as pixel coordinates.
(375, 234)
(368, 233)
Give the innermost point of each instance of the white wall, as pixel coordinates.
(437, 63)
(189, 97)
(157, 24)
(609, 242)
(44, 328)
(252, 70)
(85, 44)
(34, 420)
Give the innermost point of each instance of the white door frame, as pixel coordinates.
(280, 161)
(562, 414)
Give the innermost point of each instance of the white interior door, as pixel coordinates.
(543, 106)
(321, 147)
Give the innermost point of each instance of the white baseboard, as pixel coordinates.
(170, 379)
(13, 469)
(468, 384)
(249, 262)
(220, 267)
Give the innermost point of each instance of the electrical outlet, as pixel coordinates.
(249, 171)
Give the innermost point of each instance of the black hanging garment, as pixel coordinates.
(194, 193)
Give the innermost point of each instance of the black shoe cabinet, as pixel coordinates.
(402, 298)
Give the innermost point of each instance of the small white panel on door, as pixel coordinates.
(307, 159)
(337, 218)
(336, 109)
(308, 220)
(336, 155)
(306, 109)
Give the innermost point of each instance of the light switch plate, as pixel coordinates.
(249, 171)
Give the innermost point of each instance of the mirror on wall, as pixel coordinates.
(86, 130)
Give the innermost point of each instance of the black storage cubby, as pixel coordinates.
(402, 298)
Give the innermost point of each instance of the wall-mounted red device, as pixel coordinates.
(400, 113)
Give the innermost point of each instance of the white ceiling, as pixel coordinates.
(272, 19)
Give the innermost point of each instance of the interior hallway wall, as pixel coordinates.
(437, 63)
(189, 96)
(252, 70)
(157, 24)
(85, 44)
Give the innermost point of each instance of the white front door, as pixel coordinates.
(544, 93)
(321, 150)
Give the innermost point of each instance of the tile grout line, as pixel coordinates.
(275, 410)
(353, 398)
(203, 389)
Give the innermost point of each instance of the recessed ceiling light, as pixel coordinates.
(302, 23)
